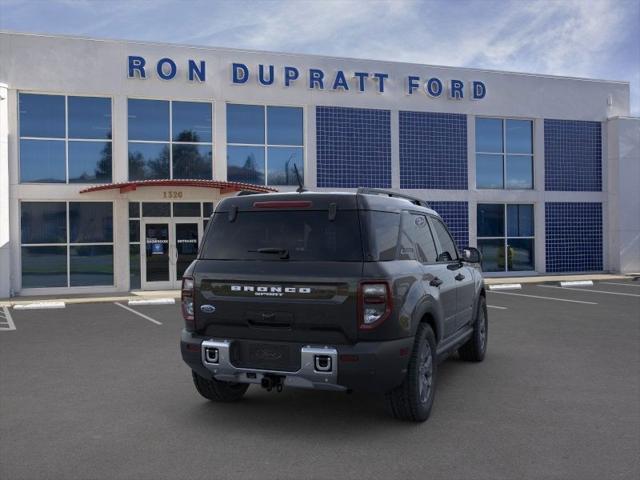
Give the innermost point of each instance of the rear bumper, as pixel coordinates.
(364, 366)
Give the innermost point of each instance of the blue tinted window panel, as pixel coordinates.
(43, 222)
(353, 147)
(89, 117)
(148, 161)
(90, 222)
(89, 162)
(42, 161)
(192, 122)
(148, 119)
(41, 115)
(134, 266)
(245, 124)
(44, 267)
(245, 164)
(284, 126)
(456, 217)
(433, 150)
(91, 265)
(573, 236)
(192, 161)
(281, 162)
(572, 155)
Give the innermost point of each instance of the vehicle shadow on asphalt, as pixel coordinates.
(297, 411)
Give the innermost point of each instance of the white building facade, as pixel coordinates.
(113, 155)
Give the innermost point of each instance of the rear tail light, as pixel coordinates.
(187, 303)
(374, 302)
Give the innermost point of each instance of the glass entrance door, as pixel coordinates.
(187, 239)
(170, 245)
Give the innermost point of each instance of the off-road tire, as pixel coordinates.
(409, 401)
(475, 348)
(217, 391)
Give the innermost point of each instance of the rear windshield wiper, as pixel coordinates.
(283, 252)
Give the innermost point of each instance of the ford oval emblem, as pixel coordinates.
(207, 308)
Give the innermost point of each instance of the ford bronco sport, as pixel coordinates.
(357, 291)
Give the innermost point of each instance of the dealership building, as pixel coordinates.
(113, 154)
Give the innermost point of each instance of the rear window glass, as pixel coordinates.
(284, 236)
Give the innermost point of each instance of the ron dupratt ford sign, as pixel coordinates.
(314, 78)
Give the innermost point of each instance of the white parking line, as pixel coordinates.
(591, 290)
(153, 301)
(546, 298)
(497, 307)
(39, 305)
(621, 284)
(8, 324)
(138, 313)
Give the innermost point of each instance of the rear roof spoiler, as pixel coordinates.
(389, 193)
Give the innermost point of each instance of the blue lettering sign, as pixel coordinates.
(455, 90)
(479, 90)
(261, 79)
(290, 74)
(412, 84)
(316, 77)
(433, 87)
(196, 72)
(380, 77)
(136, 64)
(161, 70)
(240, 73)
(340, 81)
(362, 77)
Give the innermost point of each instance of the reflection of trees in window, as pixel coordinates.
(288, 175)
(188, 160)
(150, 168)
(248, 173)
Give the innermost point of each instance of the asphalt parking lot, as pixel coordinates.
(97, 391)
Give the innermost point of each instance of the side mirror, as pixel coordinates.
(471, 255)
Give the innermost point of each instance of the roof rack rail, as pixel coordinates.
(389, 193)
(243, 193)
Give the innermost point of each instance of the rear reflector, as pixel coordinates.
(283, 204)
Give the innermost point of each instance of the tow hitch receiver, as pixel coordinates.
(269, 382)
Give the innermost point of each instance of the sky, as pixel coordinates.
(579, 38)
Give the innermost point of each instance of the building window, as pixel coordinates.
(506, 237)
(170, 139)
(65, 139)
(504, 153)
(66, 244)
(264, 144)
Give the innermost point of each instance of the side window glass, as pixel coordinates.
(447, 252)
(421, 235)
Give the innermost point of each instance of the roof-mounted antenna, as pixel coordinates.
(300, 188)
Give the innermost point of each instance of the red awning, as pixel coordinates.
(224, 187)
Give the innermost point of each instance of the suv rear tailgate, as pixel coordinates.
(292, 301)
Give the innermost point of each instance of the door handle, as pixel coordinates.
(435, 282)
(459, 277)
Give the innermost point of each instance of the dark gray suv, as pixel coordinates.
(357, 291)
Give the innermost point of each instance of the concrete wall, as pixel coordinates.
(5, 245)
(623, 152)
